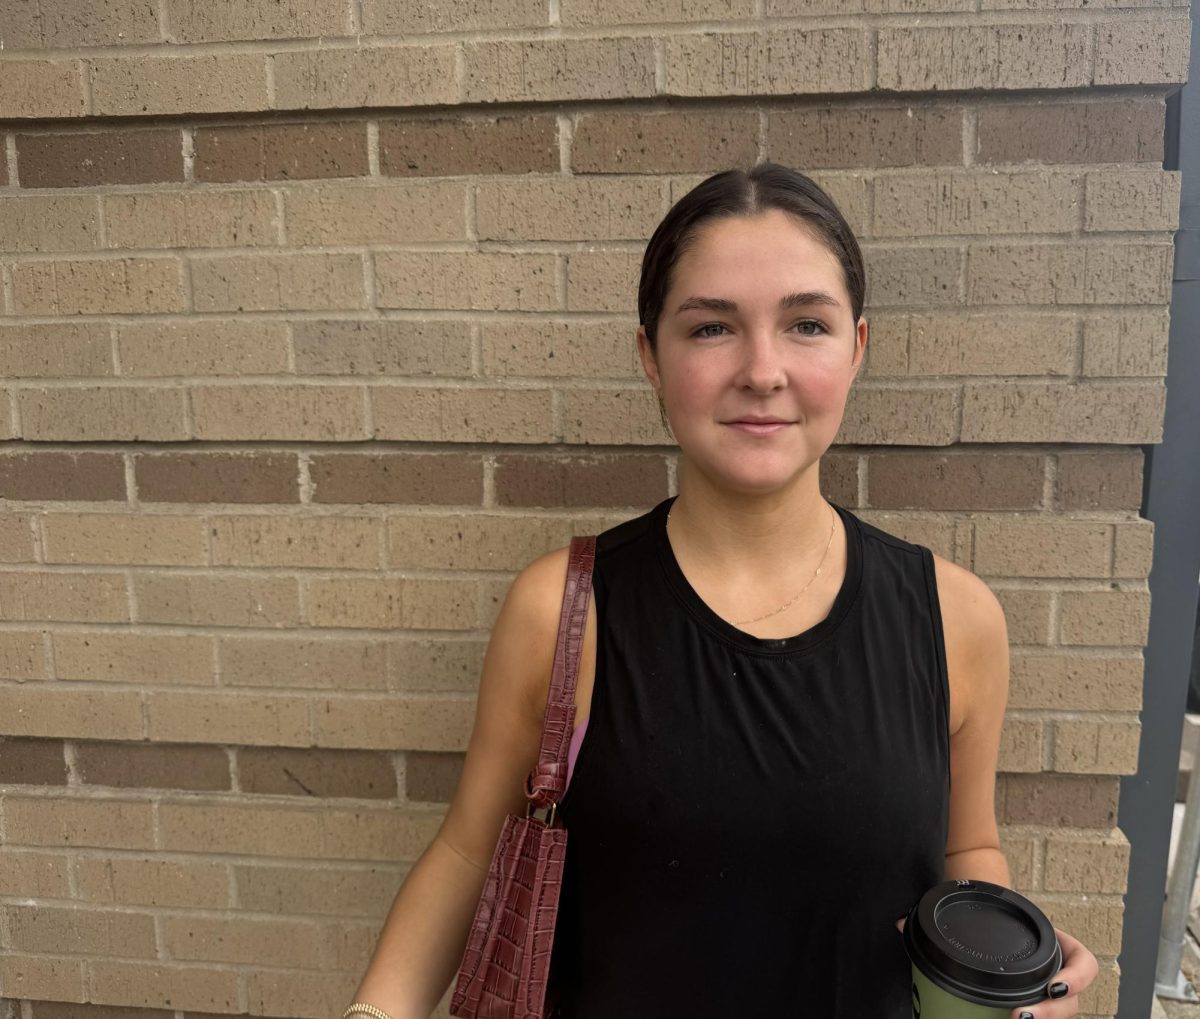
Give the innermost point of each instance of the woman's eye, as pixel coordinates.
(810, 327)
(710, 325)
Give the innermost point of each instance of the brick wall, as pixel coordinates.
(317, 327)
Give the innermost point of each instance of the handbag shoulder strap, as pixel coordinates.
(546, 783)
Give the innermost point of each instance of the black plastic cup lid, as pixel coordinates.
(983, 943)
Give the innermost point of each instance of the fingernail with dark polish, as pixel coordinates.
(1027, 1015)
(1058, 990)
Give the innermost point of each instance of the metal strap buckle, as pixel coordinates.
(531, 811)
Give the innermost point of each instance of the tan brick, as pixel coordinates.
(213, 83)
(1027, 613)
(1100, 480)
(22, 655)
(382, 18)
(291, 662)
(41, 977)
(243, 940)
(217, 600)
(462, 415)
(79, 931)
(1126, 130)
(391, 723)
(913, 59)
(389, 603)
(380, 833)
(7, 409)
(105, 286)
(623, 12)
(280, 151)
(987, 344)
(412, 478)
(603, 281)
(1021, 744)
(152, 766)
(299, 19)
(619, 142)
(1096, 747)
(151, 882)
(16, 538)
(351, 946)
(145, 985)
(40, 88)
(1022, 547)
(1033, 412)
(36, 709)
(625, 208)
(913, 275)
(60, 24)
(292, 992)
(921, 417)
(558, 70)
(976, 203)
(936, 534)
(102, 413)
(204, 347)
(309, 280)
(491, 281)
(1125, 345)
(439, 666)
(348, 79)
(205, 219)
(360, 347)
(228, 718)
(41, 875)
(387, 214)
(1134, 549)
(779, 62)
(604, 480)
(337, 542)
(341, 891)
(958, 481)
(1069, 274)
(1087, 862)
(1132, 200)
(559, 349)
(610, 416)
(1075, 682)
(55, 350)
(124, 538)
(290, 412)
(1020, 849)
(1149, 51)
(50, 223)
(887, 136)
(103, 824)
(1097, 923)
(138, 659)
(114, 156)
(1110, 618)
(356, 774)
(62, 595)
(474, 541)
(1070, 801)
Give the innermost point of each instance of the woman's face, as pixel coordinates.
(757, 324)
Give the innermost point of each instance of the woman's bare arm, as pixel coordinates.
(423, 938)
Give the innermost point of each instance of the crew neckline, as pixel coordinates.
(700, 609)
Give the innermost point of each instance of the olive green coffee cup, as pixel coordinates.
(978, 950)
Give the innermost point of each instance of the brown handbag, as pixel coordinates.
(506, 966)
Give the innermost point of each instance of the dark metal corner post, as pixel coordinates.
(1171, 498)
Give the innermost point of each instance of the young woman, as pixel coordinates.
(787, 720)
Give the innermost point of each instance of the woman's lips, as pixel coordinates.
(759, 429)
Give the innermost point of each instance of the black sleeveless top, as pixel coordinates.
(748, 817)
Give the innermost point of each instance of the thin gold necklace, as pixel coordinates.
(832, 525)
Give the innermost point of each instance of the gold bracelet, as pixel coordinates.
(362, 1008)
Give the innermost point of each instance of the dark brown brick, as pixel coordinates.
(362, 774)
(92, 477)
(1100, 480)
(664, 142)
(152, 765)
(839, 478)
(26, 761)
(1070, 801)
(99, 157)
(432, 777)
(602, 480)
(71, 1010)
(415, 478)
(281, 151)
(440, 147)
(1127, 131)
(217, 477)
(958, 481)
(814, 139)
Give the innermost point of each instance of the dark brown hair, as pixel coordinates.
(745, 193)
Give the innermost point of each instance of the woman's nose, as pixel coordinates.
(762, 363)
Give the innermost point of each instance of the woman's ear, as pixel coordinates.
(646, 353)
(860, 344)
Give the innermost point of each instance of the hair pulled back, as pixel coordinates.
(745, 193)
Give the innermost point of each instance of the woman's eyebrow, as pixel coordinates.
(800, 297)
